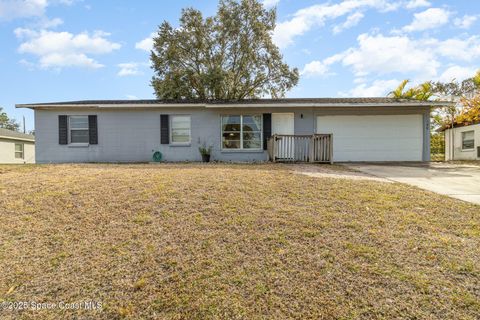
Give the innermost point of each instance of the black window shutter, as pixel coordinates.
(92, 129)
(267, 128)
(62, 129)
(164, 129)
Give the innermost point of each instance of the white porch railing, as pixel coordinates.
(301, 148)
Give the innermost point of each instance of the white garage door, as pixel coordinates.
(374, 138)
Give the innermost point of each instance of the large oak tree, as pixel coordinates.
(228, 56)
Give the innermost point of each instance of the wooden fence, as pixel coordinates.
(301, 148)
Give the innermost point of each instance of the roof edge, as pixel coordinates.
(258, 103)
(457, 125)
(17, 138)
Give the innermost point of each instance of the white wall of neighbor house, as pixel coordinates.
(133, 134)
(9, 155)
(461, 148)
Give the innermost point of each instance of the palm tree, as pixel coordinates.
(476, 80)
(399, 93)
(420, 92)
(424, 91)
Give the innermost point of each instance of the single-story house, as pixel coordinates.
(466, 141)
(363, 129)
(16, 147)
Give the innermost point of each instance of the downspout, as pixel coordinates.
(452, 141)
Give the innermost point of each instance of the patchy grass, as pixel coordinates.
(232, 241)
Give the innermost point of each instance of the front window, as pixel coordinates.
(467, 140)
(18, 150)
(79, 129)
(180, 129)
(242, 132)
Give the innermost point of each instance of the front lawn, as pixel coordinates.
(192, 241)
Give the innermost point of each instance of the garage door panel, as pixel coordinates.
(374, 138)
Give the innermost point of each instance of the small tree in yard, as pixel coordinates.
(465, 97)
(228, 56)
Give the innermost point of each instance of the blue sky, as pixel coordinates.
(54, 50)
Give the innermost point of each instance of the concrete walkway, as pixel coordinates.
(454, 180)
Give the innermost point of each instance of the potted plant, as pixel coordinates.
(205, 152)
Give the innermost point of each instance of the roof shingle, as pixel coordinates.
(5, 133)
(339, 101)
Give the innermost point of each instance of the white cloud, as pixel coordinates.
(465, 22)
(131, 97)
(465, 49)
(62, 60)
(457, 72)
(11, 9)
(64, 49)
(379, 88)
(315, 16)
(429, 19)
(129, 69)
(320, 68)
(314, 68)
(46, 23)
(270, 3)
(383, 55)
(352, 21)
(399, 57)
(413, 4)
(146, 44)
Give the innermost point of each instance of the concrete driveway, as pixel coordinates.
(454, 180)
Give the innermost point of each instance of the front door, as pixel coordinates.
(283, 124)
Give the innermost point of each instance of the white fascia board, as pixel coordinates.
(322, 105)
(16, 139)
(111, 106)
(147, 106)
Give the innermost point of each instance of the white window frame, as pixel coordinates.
(20, 152)
(70, 129)
(241, 132)
(189, 130)
(463, 134)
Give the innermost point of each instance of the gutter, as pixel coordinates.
(235, 105)
(16, 138)
(324, 105)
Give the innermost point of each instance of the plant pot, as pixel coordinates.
(205, 157)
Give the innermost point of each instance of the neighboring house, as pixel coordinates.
(466, 142)
(364, 129)
(16, 147)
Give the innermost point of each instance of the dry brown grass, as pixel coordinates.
(232, 241)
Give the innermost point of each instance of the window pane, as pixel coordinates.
(231, 144)
(231, 140)
(79, 136)
(181, 122)
(468, 141)
(252, 123)
(18, 147)
(18, 155)
(181, 135)
(252, 140)
(79, 122)
(467, 135)
(180, 131)
(468, 144)
(231, 123)
(252, 144)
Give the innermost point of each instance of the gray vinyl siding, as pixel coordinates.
(132, 135)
